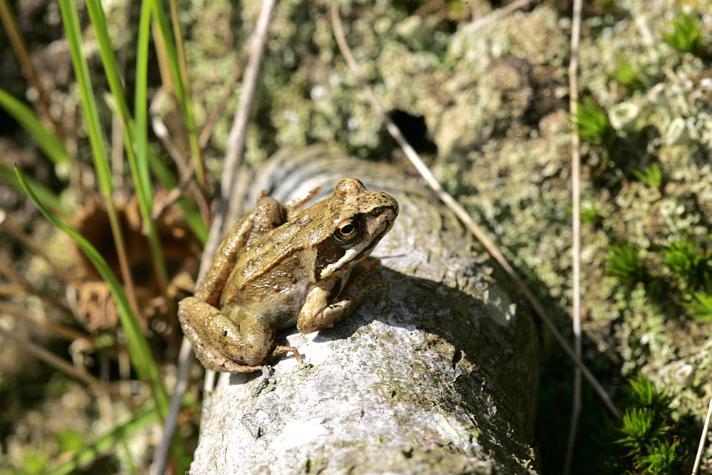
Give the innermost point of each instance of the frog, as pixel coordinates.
(286, 265)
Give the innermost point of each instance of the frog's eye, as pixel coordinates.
(347, 230)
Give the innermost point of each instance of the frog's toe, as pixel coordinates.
(281, 350)
(233, 367)
(223, 364)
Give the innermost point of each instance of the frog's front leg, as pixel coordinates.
(235, 345)
(322, 310)
(317, 313)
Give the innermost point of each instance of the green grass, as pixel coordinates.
(134, 135)
(102, 444)
(140, 353)
(138, 153)
(180, 88)
(642, 392)
(685, 34)
(43, 137)
(663, 457)
(142, 165)
(638, 426)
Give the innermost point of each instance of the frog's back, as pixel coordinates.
(277, 293)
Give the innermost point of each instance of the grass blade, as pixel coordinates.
(140, 171)
(140, 353)
(141, 96)
(195, 221)
(46, 140)
(133, 135)
(19, 45)
(121, 432)
(8, 177)
(142, 178)
(181, 91)
(70, 20)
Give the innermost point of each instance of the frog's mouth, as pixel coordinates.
(378, 222)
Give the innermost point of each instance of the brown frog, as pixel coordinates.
(280, 266)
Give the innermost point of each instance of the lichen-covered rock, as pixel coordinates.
(435, 374)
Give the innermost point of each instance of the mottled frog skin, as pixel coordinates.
(281, 266)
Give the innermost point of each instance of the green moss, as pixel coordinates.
(690, 264)
(701, 307)
(685, 34)
(651, 176)
(628, 73)
(592, 123)
(624, 262)
(649, 443)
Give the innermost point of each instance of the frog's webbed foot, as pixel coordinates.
(222, 345)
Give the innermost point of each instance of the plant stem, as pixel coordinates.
(703, 437)
(20, 47)
(70, 19)
(235, 145)
(576, 230)
(193, 140)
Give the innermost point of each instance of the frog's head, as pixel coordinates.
(356, 220)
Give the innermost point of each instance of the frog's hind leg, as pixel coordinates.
(221, 344)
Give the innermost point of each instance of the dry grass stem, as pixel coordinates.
(703, 439)
(56, 362)
(122, 254)
(461, 213)
(184, 168)
(225, 95)
(197, 156)
(576, 230)
(117, 152)
(49, 297)
(8, 225)
(28, 70)
(236, 139)
(51, 328)
(174, 195)
(498, 14)
(164, 135)
(233, 156)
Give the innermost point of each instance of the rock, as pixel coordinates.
(437, 373)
